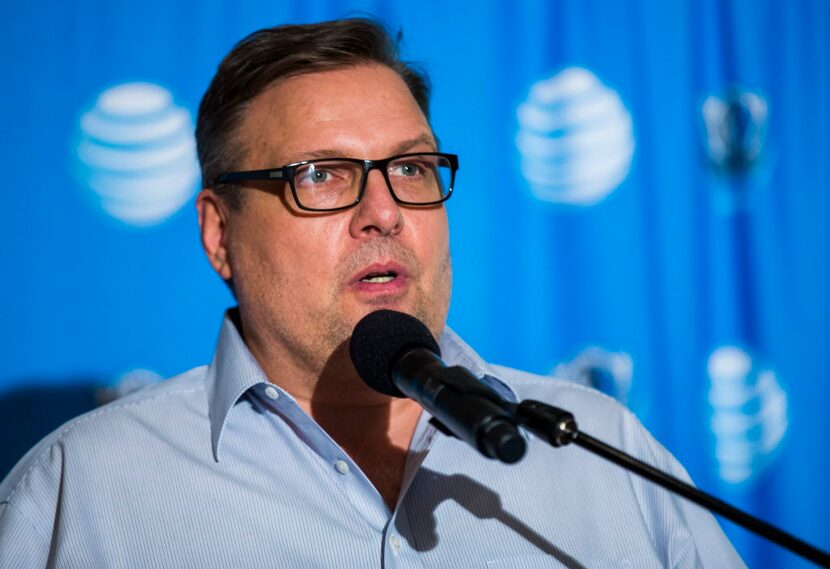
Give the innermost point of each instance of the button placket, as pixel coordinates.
(395, 543)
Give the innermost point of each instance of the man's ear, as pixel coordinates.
(213, 227)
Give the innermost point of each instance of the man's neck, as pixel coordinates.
(375, 430)
(376, 437)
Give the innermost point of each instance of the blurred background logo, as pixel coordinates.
(609, 372)
(749, 413)
(137, 155)
(735, 125)
(575, 138)
(125, 384)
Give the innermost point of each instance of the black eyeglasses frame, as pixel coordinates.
(286, 173)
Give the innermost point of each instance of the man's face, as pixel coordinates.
(301, 277)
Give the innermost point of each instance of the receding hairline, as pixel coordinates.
(427, 138)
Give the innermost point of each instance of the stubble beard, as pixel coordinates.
(332, 325)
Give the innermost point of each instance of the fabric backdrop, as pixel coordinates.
(642, 205)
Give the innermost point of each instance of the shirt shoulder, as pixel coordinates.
(680, 529)
(95, 433)
(596, 414)
(590, 407)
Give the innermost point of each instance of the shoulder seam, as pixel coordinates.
(10, 506)
(535, 379)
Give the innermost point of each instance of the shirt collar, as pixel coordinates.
(455, 351)
(234, 371)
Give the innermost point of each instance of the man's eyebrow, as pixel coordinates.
(425, 140)
(401, 148)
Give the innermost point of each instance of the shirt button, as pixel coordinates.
(395, 542)
(272, 393)
(342, 466)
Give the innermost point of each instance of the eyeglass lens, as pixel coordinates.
(415, 179)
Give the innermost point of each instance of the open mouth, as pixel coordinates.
(379, 278)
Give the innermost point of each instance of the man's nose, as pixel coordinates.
(378, 212)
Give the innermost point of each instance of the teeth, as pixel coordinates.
(378, 279)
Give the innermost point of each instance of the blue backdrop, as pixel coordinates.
(642, 205)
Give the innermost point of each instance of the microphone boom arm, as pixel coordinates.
(558, 428)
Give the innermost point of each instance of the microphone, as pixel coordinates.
(395, 354)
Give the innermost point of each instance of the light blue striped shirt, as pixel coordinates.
(220, 468)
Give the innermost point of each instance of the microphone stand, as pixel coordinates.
(558, 427)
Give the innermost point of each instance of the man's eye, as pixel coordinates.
(407, 169)
(313, 176)
(318, 176)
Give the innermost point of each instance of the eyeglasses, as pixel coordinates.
(334, 184)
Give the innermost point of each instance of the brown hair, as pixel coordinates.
(271, 54)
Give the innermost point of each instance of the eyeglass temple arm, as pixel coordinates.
(253, 175)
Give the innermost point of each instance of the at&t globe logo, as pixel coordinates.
(575, 138)
(749, 413)
(136, 153)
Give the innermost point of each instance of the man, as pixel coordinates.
(323, 202)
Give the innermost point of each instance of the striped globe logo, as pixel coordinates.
(137, 155)
(575, 138)
(749, 413)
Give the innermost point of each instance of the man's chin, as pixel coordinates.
(363, 304)
(426, 310)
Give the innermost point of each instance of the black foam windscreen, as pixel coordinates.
(379, 338)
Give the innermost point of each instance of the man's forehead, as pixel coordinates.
(420, 143)
(313, 89)
(338, 112)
